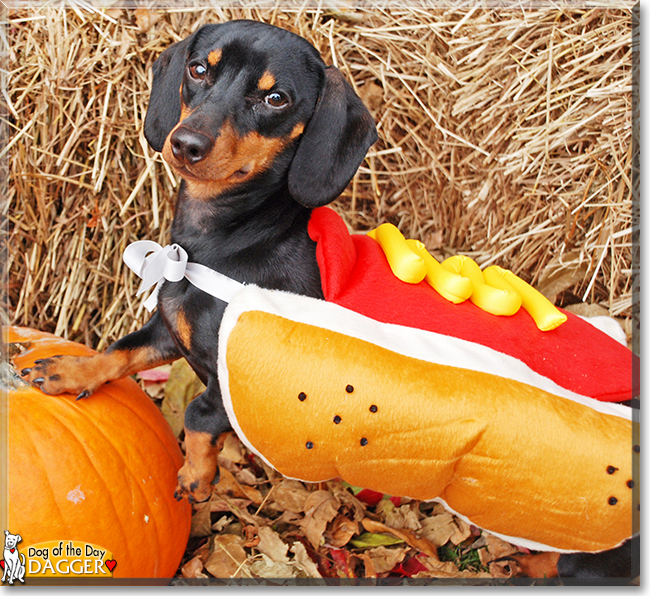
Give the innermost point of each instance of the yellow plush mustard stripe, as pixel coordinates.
(510, 457)
(495, 290)
(404, 263)
(450, 285)
(500, 299)
(546, 316)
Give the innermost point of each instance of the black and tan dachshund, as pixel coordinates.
(260, 131)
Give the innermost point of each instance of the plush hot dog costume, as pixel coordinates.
(319, 392)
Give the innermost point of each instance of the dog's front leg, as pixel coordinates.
(20, 575)
(205, 422)
(15, 571)
(146, 348)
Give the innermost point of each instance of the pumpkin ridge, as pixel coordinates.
(65, 429)
(128, 404)
(154, 478)
(109, 494)
(27, 437)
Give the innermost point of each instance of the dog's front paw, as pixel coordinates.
(194, 484)
(63, 374)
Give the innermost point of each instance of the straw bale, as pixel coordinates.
(504, 134)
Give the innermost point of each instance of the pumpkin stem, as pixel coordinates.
(9, 380)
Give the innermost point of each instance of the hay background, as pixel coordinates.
(505, 135)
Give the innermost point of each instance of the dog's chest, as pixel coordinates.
(192, 317)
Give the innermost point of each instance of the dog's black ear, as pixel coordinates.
(333, 145)
(164, 109)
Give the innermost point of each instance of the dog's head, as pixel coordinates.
(11, 540)
(240, 101)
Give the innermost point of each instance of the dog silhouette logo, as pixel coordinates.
(13, 562)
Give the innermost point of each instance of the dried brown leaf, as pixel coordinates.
(245, 477)
(228, 485)
(201, 523)
(420, 544)
(232, 450)
(405, 516)
(384, 559)
(321, 508)
(180, 389)
(368, 564)
(449, 570)
(239, 508)
(203, 552)
(221, 523)
(556, 278)
(495, 548)
(463, 531)
(290, 495)
(588, 310)
(438, 529)
(437, 568)
(501, 569)
(193, 568)
(303, 561)
(227, 556)
(272, 546)
(353, 508)
(289, 517)
(444, 527)
(219, 504)
(264, 566)
(340, 531)
(251, 536)
(446, 569)
(372, 95)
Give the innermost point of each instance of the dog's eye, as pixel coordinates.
(197, 71)
(276, 99)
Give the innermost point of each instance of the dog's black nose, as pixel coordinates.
(190, 146)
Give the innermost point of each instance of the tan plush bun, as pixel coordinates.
(512, 458)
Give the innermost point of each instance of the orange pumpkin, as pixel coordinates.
(100, 470)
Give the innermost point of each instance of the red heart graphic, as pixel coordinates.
(2, 563)
(13, 550)
(110, 565)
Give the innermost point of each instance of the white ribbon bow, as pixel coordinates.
(155, 264)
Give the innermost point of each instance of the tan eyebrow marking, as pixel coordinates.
(266, 81)
(214, 56)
